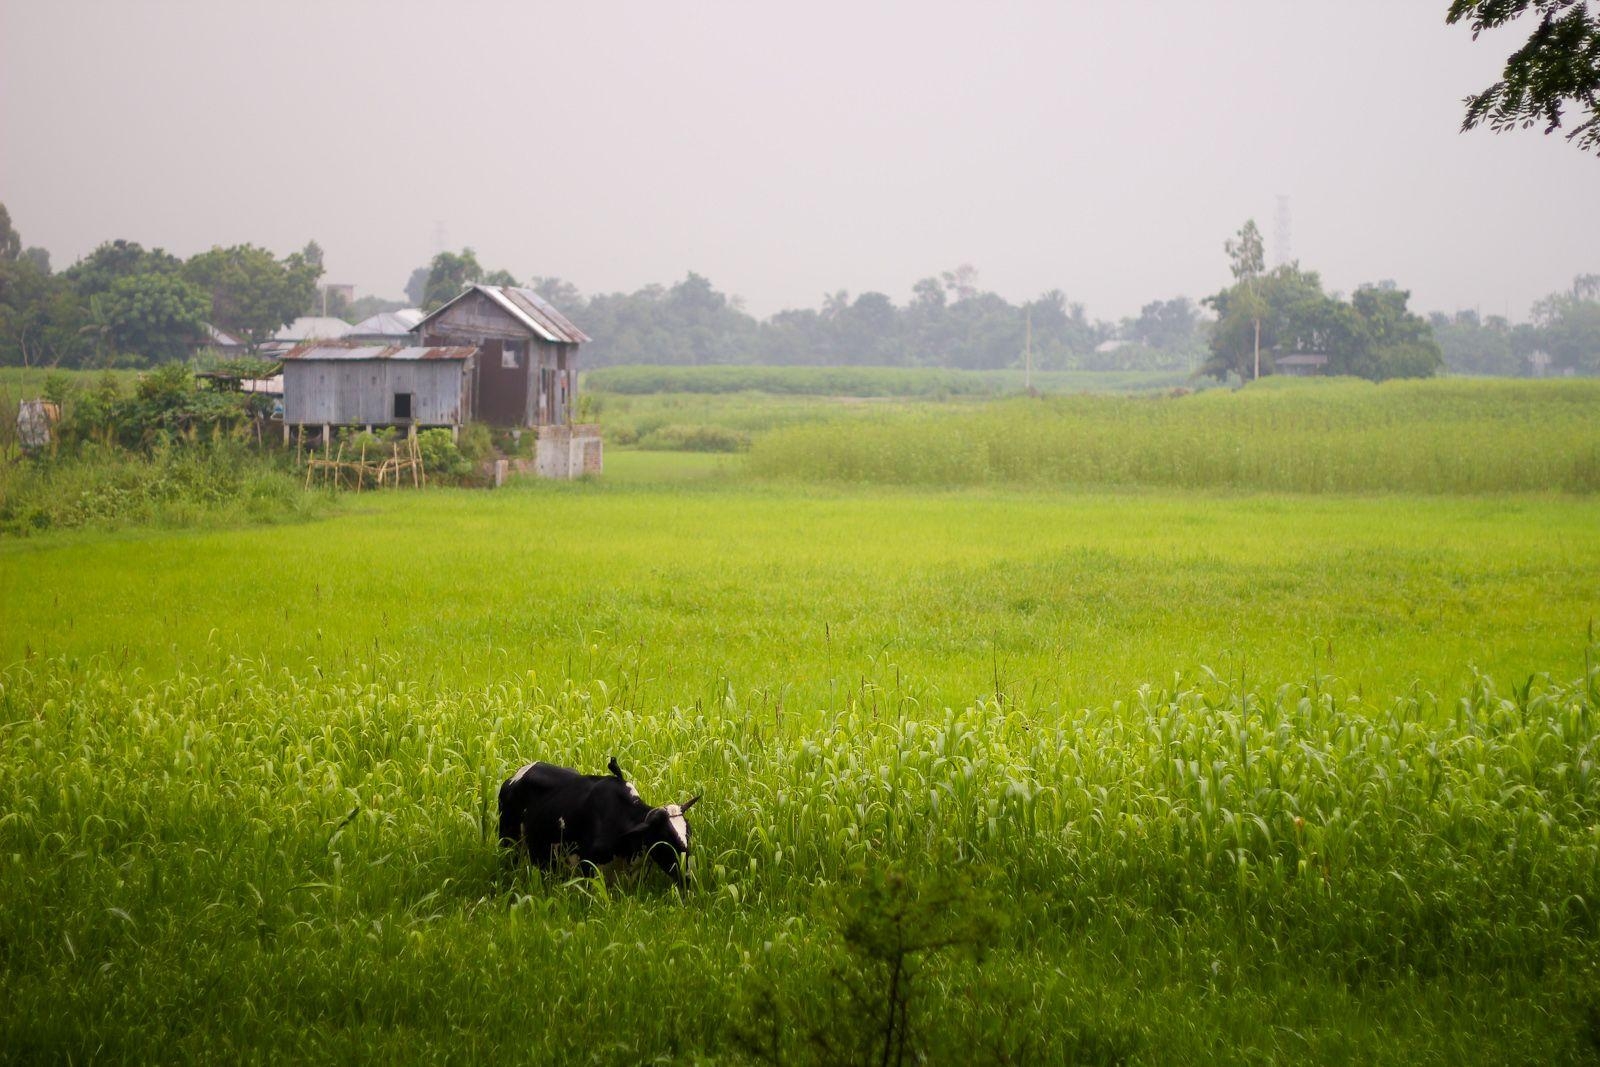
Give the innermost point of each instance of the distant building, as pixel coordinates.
(527, 371)
(221, 342)
(1300, 364)
(495, 354)
(302, 330)
(389, 327)
(334, 292)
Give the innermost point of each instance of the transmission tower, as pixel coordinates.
(1282, 249)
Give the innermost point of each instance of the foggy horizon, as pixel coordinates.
(1104, 153)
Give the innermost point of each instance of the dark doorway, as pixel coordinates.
(503, 382)
(402, 406)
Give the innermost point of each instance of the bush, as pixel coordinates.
(369, 441)
(440, 456)
(477, 443)
(694, 439)
(107, 488)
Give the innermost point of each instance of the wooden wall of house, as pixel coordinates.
(541, 391)
(362, 392)
(472, 320)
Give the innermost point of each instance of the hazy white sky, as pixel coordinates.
(1104, 149)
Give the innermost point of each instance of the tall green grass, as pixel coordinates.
(247, 776)
(1307, 437)
(248, 861)
(108, 488)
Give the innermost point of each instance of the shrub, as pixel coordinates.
(440, 456)
(694, 439)
(477, 443)
(105, 487)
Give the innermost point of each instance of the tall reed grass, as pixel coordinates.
(1311, 437)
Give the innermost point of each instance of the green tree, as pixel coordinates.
(1166, 324)
(562, 295)
(1568, 325)
(156, 316)
(1389, 341)
(1247, 259)
(1471, 346)
(1284, 311)
(253, 294)
(1558, 68)
(448, 275)
(113, 260)
(367, 306)
(41, 317)
(417, 286)
(10, 240)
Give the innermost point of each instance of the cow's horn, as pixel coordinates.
(615, 769)
(686, 805)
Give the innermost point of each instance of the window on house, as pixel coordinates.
(402, 405)
(510, 355)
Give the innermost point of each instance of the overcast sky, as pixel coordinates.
(1104, 149)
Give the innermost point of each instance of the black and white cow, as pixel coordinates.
(558, 815)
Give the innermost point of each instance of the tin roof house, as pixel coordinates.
(303, 330)
(1300, 364)
(527, 369)
(386, 327)
(495, 354)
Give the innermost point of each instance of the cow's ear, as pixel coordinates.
(691, 802)
(615, 769)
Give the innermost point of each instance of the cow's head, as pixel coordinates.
(665, 836)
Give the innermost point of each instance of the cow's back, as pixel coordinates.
(545, 807)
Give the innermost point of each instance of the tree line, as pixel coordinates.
(951, 321)
(124, 305)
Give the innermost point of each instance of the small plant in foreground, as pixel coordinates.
(892, 925)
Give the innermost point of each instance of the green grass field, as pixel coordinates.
(1304, 436)
(1217, 775)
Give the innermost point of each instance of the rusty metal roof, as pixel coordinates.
(527, 307)
(333, 351)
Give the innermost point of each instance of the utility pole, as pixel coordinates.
(1258, 349)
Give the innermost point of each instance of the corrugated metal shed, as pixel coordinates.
(377, 385)
(527, 307)
(325, 352)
